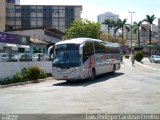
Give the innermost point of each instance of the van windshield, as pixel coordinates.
(66, 56)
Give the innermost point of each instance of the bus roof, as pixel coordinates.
(77, 41)
(82, 40)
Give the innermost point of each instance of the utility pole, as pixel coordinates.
(131, 12)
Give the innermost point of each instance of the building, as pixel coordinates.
(145, 32)
(2, 15)
(13, 43)
(40, 38)
(108, 15)
(159, 28)
(15, 16)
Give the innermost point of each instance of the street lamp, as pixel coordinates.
(131, 12)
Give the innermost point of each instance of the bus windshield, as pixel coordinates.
(66, 56)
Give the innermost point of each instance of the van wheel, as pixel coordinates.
(114, 69)
(93, 75)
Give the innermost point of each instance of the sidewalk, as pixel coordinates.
(147, 64)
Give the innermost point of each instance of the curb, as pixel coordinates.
(23, 83)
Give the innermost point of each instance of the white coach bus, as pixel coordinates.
(82, 58)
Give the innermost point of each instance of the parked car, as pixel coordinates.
(4, 57)
(35, 57)
(155, 58)
(14, 58)
(25, 57)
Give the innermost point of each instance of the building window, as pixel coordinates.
(33, 10)
(10, 19)
(10, 10)
(39, 10)
(33, 18)
(18, 10)
(10, 1)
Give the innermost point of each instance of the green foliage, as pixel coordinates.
(27, 74)
(83, 28)
(18, 77)
(6, 81)
(138, 56)
(126, 56)
(42, 74)
(49, 74)
(35, 72)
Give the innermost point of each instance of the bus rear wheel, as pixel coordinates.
(114, 69)
(93, 75)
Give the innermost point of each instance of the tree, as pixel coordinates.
(137, 29)
(115, 25)
(108, 22)
(150, 19)
(122, 25)
(83, 28)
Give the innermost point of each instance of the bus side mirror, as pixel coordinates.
(81, 49)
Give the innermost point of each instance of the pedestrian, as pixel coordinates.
(132, 59)
(121, 54)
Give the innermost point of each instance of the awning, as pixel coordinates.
(37, 41)
(11, 45)
(24, 46)
(27, 48)
(148, 46)
(152, 46)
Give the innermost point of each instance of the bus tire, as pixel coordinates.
(93, 75)
(68, 81)
(114, 69)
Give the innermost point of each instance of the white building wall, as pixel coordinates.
(77, 12)
(11, 68)
(103, 17)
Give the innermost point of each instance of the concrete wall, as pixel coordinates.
(8, 69)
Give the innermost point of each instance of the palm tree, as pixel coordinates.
(108, 22)
(150, 19)
(115, 25)
(122, 25)
(137, 29)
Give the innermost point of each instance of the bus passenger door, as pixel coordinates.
(88, 57)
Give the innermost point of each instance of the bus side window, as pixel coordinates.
(88, 50)
(99, 47)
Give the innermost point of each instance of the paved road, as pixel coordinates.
(131, 90)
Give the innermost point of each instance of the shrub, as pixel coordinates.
(35, 72)
(17, 78)
(138, 56)
(26, 73)
(42, 74)
(32, 73)
(49, 74)
(5, 81)
(126, 56)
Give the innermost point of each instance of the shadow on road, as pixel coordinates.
(87, 82)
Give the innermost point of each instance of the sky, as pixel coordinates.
(92, 8)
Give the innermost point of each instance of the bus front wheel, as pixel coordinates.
(93, 74)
